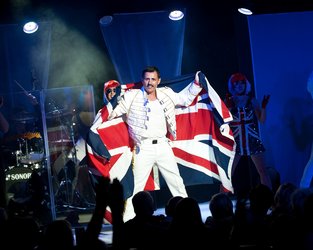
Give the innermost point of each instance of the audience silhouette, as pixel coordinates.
(187, 230)
(221, 221)
(264, 220)
(145, 230)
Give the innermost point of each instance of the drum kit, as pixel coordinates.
(26, 147)
(24, 153)
(65, 154)
(27, 155)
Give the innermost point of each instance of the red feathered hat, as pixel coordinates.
(110, 84)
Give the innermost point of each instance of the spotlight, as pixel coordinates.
(245, 11)
(30, 27)
(176, 15)
(106, 20)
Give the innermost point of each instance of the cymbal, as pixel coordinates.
(61, 141)
(57, 113)
(30, 135)
(23, 117)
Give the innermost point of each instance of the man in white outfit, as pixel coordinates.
(150, 114)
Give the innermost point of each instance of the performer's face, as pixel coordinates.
(150, 81)
(239, 87)
(110, 92)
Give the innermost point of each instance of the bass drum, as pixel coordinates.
(28, 192)
(17, 182)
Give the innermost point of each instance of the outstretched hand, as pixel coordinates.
(199, 79)
(265, 101)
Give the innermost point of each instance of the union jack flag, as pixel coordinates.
(204, 148)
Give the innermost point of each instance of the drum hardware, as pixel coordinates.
(69, 194)
(9, 168)
(61, 141)
(57, 113)
(64, 155)
(18, 155)
(30, 151)
(84, 194)
(23, 117)
(73, 141)
(63, 169)
(67, 175)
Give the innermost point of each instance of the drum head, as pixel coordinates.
(32, 158)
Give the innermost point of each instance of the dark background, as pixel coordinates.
(216, 36)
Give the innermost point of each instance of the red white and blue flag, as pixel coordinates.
(204, 148)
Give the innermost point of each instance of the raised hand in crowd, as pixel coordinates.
(90, 238)
(116, 204)
(111, 195)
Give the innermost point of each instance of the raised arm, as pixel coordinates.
(260, 111)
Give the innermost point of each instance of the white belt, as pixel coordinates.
(154, 141)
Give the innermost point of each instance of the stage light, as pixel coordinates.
(106, 20)
(176, 15)
(245, 11)
(30, 27)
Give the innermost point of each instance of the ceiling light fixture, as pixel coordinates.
(176, 15)
(30, 27)
(106, 20)
(245, 11)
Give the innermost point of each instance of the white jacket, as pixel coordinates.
(133, 105)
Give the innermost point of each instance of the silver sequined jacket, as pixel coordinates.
(133, 105)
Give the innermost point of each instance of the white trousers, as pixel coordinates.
(161, 155)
